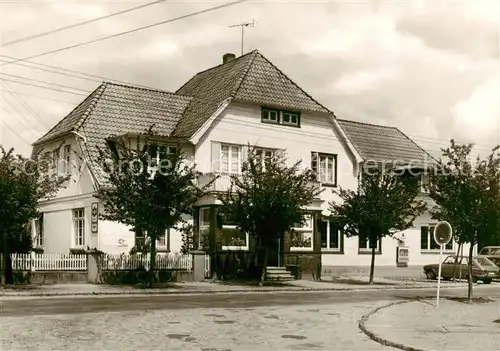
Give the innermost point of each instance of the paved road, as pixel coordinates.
(73, 305)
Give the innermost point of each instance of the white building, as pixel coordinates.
(245, 100)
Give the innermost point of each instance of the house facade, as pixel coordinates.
(215, 116)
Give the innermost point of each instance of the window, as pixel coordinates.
(39, 231)
(163, 241)
(79, 226)
(290, 118)
(449, 260)
(67, 159)
(424, 182)
(232, 238)
(204, 227)
(270, 116)
(427, 242)
(159, 151)
(56, 161)
(139, 239)
(286, 118)
(364, 244)
(302, 235)
(230, 158)
(330, 234)
(325, 168)
(264, 156)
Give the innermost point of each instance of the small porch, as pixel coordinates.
(215, 234)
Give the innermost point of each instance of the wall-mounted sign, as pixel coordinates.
(94, 222)
(121, 242)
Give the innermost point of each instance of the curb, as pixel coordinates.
(204, 292)
(378, 339)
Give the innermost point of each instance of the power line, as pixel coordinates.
(127, 32)
(53, 68)
(42, 97)
(16, 133)
(25, 105)
(17, 41)
(44, 82)
(43, 87)
(20, 118)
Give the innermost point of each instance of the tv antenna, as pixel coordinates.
(243, 25)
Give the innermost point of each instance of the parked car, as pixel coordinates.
(482, 269)
(492, 253)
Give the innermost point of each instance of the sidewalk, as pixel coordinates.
(209, 287)
(420, 325)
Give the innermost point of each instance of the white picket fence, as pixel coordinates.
(49, 262)
(167, 261)
(78, 262)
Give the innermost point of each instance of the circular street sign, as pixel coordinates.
(443, 233)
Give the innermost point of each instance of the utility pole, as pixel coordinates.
(243, 25)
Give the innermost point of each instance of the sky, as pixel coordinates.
(430, 68)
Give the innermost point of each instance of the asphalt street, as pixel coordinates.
(76, 305)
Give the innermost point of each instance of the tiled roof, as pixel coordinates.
(377, 143)
(249, 78)
(69, 122)
(113, 110)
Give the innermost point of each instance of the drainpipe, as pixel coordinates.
(79, 135)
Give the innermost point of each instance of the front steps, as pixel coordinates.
(278, 274)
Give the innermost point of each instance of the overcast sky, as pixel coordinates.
(431, 68)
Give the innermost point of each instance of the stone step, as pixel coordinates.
(278, 273)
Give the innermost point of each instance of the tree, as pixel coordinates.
(149, 200)
(267, 198)
(23, 182)
(467, 195)
(384, 204)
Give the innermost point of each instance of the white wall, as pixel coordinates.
(241, 124)
(59, 230)
(115, 238)
(81, 181)
(411, 239)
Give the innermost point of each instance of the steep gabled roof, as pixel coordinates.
(376, 143)
(249, 78)
(113, 110)
(71, 121)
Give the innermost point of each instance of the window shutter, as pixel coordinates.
(215, 158)
(244, 154)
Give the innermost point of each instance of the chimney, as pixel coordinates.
(228, 57)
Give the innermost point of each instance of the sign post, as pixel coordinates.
(442, 236)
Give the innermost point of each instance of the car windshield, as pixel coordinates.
(483, 261)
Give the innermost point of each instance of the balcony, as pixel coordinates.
(222, 182)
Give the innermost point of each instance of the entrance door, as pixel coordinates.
(274, 254)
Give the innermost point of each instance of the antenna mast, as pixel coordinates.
(243, 25)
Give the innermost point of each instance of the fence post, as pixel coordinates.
(199, 266)
(33, 261)
(94, 260)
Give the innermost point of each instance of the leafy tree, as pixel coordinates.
(23, 182)
(467, 195)
(267, 198)
(147, 202)
(384, 204)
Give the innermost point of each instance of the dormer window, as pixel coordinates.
(287, 118)
(270, 116)
(290, 118)
(158, 152)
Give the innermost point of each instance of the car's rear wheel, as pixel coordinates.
(487, 280)
(430, 274)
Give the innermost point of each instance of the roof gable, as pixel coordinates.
(266, 84)
(248, 78)
(376, 143)
(210, 88)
